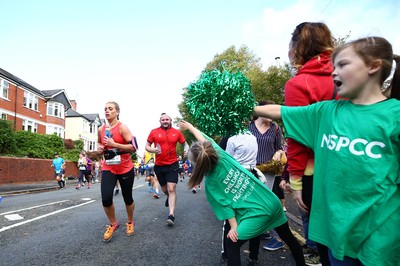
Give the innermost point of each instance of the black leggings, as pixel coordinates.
(254, 243)
(108, 182)
(278, 191)
(233, 248)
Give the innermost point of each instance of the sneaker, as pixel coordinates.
(166, 203)
(156, 196)
(170, 220)
(251, 262)
(194, 190)
(274, 244)
(110, 231)
(116, 192)
(78, 187)
(88, 185)
(312, 260)
(308, 251)
(130, 228)
(266, 236)
(284, 209)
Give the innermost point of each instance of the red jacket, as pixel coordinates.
(312, 83)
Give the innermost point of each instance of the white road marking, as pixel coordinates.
(5, 228)
(13, 217)
(34, 207)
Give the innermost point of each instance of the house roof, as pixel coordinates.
(90, 117)
(72, 113)
(58, 96)
(20, 82)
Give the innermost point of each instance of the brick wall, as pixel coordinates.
(23, 170)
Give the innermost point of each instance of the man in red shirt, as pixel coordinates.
(166, 166)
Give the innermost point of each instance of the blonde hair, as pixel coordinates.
(205, 158)
(116, 106)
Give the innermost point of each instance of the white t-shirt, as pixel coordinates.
(243, 148)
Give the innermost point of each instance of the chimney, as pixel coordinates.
(73, 103)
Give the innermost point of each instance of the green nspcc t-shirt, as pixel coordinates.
(356, 196)
(232, 191)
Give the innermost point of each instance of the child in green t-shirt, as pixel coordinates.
(236, 195)
(356, 195)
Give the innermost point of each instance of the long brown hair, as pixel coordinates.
(205, 158)
(373, 48)
(309, 39)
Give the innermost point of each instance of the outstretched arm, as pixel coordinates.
(187, 126)
(272, 111)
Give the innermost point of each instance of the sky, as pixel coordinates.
(141, 54)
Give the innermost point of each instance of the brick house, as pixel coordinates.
(45, 111)
(31, 109)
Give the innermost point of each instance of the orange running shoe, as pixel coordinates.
(110, 231)
(130, 228)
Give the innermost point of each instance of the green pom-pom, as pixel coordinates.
(221, 102)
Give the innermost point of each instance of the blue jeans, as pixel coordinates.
(347, 261)
(305, 217)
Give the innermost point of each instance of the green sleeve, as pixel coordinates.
(301, 123)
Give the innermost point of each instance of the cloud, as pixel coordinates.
(269, 34)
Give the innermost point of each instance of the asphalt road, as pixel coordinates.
(65, 227)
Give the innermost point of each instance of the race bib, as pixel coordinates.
(114, 161)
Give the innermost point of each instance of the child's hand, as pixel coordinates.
(233, 235)
(184, 125)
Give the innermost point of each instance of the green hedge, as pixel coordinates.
(32, 145)
(43, 146)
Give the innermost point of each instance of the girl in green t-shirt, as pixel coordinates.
(356, 193)
(236, 195)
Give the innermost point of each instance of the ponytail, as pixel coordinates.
(205, 159)
(395, 86)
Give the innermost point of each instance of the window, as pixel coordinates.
(59, 131)
(55, 109)
(86, 126)
(5, 88)
(29, 125)
(93, 127)
(31, 100)
(3, 116)
(92, 145)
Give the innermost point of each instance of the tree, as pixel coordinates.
(266, 85)
(338, 41)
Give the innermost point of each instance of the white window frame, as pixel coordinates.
(3, 116)
(31, 100)
(55, 109)
(4, 88)
(59, 131)
(29, 125)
